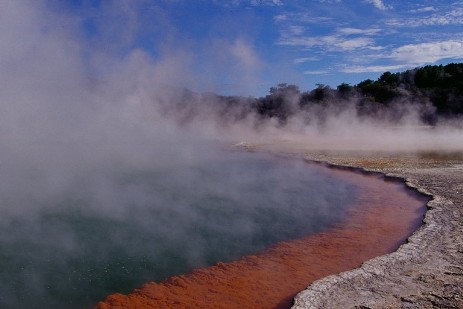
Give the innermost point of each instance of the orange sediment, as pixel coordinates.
(385, 214)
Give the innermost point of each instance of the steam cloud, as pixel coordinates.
(75, 115)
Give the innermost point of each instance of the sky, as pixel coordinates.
(244, 47)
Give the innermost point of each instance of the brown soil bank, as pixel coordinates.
(384, 216)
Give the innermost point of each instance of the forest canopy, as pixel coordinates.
(434, 92)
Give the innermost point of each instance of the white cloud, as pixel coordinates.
(298, 41)
(330, 42)
(235, 3)
(316, 72)
(303, 17)
(424, 9)
(343, 39)
(266, 2)
(296, 30)
(372, 68)
(351, 31)
(280, 18)
(305, 59)
(454, 17)
(428, 52)
(378, 4)
(356, 43)
(367, 45)
(409, 56)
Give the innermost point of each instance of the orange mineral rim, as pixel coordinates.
(385, 214)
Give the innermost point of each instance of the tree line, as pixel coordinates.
(434, 91)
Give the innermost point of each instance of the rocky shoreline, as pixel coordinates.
(427, 271)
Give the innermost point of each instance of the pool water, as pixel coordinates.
(136, 226)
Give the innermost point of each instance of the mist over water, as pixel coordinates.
(144, 225)
(108, 179)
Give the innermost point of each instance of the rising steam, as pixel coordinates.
(76, 113)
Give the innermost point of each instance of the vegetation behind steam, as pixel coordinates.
(433, 92)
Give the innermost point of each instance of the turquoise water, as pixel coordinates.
(135, 226)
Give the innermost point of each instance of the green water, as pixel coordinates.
(134, 226)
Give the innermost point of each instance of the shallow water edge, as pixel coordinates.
(270, 279)
(426, 271)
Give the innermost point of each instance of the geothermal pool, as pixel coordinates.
(384, 215)
(136, 226)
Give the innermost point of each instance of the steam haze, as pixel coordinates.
(106, 173)
(80, 116)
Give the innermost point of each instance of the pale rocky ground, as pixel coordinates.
(427, 271)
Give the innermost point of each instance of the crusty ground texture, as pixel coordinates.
(427, 271)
